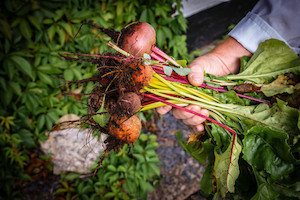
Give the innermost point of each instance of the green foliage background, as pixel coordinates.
(32, 34)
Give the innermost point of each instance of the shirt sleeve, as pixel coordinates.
(278, 19)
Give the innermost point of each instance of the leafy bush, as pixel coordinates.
(123, 175)
(32, 33)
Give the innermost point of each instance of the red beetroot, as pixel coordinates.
(129, 102)
(138, 38)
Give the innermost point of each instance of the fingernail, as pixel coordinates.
(196, 78)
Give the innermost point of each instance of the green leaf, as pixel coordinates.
(278, 117)
(15, 87)
(138, 148)
(167, 32)
(227, 167)
(23, 65)
(121, 168)
(51, 32)
(155, 168)
(77, 73)
(112, 168)
(102, 118)
(243, 62)
(168, 70)
(139, 157)
(58, 15)
(6, 29)
(143, 16)
(143, 137)
(182, 71)
(47, 21)
(66, 26)
(160, 37)
(206, 183)
(278, 86)
(200, 154)
(265, 192)
(25, 29)
(3, 83)
(61, 34)
(68, 75)
(182, 63)
(27, 139)
(34, 21)
(48, 69)
(71, 176)
(273, 57)
(298, 124)
(266, 149)
(44, 78)
(286, 191)
(221, 137)
(52, 116)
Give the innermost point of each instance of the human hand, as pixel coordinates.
(224, 59)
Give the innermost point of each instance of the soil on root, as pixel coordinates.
(114, 77)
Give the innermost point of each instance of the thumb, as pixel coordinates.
(196, 78)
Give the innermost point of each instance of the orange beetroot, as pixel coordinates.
(142, 74)
(124, 128)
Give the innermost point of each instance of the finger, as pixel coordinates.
(199, 128)
(180, 114)
(195, 119)
(164, 109)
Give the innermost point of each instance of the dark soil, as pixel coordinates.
(181, 173)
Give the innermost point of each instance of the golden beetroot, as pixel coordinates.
(142, 74)
(124, 128)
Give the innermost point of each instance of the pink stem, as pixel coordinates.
(164, 55)
(157, 57)
(190, 111)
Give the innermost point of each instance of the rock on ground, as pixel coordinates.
(73, 150)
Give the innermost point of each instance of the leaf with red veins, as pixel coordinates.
(227, 168)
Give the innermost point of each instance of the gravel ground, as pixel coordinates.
(181, 174)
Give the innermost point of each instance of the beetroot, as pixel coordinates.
(129, 102)
(138, 38)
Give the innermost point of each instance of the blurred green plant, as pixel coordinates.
(32, 34)
(128, 174)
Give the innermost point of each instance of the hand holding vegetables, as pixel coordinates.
(222, 60)
(242, 120)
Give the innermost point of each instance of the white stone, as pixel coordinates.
(73, 150)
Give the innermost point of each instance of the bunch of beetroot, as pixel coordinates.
(118, 81)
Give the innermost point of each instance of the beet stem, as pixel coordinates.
(190, 111)
(157, 57)
(181, 79)
(164, 55)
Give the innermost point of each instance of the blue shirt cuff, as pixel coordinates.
(252, 30)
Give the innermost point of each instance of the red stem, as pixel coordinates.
(157, 57)
(159, 52)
